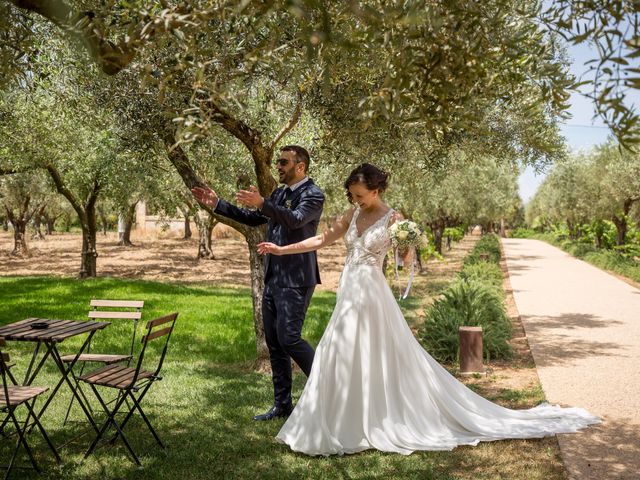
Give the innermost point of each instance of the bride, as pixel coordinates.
(372, 385)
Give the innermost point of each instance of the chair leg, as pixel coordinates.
(131, 410)
(107, 422)
(43, 432)
(111, 420)
(76, 381)
(136, 405)
(21, 441)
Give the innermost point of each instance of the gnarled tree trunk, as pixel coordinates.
(86, 212)
(256, 261)
(50, 222)
(253, 236)
(37, 224)
(124, 235)
(186, 214)
(20, 248)
(437, 228)
(205, 223)
(621, 221)
(104, 223)
(88, 262)
(20, 219)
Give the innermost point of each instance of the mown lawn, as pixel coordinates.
(204, 406)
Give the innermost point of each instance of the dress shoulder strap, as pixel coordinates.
(389, 214)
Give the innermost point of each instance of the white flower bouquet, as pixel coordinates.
(405, 234)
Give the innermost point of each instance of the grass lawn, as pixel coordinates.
(204, 406)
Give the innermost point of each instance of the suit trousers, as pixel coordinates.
(283, 312)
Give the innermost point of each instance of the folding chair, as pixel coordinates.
(11, 398)
(132, 382)
(127, 310)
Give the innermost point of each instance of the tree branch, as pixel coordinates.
(63, 190)
(295, 117)
(11, 170)
(83, 26)
(180, 161)
(93, 196)
(252, 139)
(86, 27)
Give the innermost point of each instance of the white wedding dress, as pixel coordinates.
(372, 385)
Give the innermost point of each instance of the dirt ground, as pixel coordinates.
(167, 258)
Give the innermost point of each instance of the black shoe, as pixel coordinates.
(280, 412)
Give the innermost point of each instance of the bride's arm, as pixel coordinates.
(337, 230)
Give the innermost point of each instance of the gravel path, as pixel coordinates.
(583, 326)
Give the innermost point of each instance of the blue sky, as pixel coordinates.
(581, 131)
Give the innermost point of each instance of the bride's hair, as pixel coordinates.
(370, 176)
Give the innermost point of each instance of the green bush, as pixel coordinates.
(629, 251)
(456, 233)
(578, 249)
(604, 228)
(483, 272)
(488, 247)
(466, 303)
(522, 233)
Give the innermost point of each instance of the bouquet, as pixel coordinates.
(405, 234)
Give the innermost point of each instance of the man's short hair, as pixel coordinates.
(301, 154)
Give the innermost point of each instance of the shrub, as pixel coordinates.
(456, 233)
(629, 251)
(522, 233)
(466, 303)
(578, 249)
(487, 246)
(483, 272)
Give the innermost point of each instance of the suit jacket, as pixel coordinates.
(286, 225)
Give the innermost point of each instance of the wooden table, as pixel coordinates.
(56, 332)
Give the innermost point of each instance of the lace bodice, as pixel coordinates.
(371, 247)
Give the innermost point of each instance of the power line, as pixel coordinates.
(582, 126)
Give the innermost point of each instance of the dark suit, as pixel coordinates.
(289, 279)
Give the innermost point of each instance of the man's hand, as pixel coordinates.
(250, 198)
(205, 196)
(268, 247)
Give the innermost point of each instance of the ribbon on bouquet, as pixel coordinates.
(401, 295)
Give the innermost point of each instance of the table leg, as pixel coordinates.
(29, 377)
(53, 351)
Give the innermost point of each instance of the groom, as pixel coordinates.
(292, 214)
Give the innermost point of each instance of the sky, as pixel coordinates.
(581, 131)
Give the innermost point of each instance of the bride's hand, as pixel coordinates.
(268, 247)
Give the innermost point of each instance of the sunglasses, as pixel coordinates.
(282, 162)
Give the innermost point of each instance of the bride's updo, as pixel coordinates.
(370, 176)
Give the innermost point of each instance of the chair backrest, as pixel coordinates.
(127, 310)
(154, 332)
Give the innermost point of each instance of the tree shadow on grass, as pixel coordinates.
(203, 412)
(203, 409)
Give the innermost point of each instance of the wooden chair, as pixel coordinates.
(12, 397)
(126, 310)
(133, 383)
